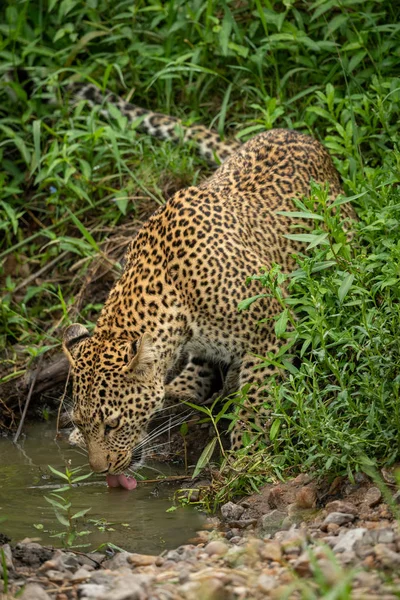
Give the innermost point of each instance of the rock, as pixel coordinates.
(216, 547)
(243, 523)
(272, 521)
(33, 591)
(128, 587)
(31, 554)
(372, 497)
(387, 557)
(332, 527)
(88, 591)
(142, 560)
(92, 559)
(341, 507)
(235, 539)
(349, 539)
(58, 576)
(80, 575)
(231, 511)
(271, 551)
(8, 557)
(338, 518)
(302, 565)
(306, 497)
(116, 562)
(4, 539)
(69, 561)
(266, 583)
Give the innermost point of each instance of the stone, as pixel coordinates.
(142, 560)
(271, 522)
(69, 560)
(338, 518)
(231, 511)
(301, 566)
(58, 576)
(387, 557)
(235, 539)
(271, 551)
(341, 507)
(31, 554)
(349, 539)
(8, 557)
(87, 591)
(33, 591)
(266, 583)
(127, 587)
(116, 562)
(372, 497)
(80, 575)
(216, 547)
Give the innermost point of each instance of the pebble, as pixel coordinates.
(117, 561)
(349, 539)
(266, 583)
(372, 497)
(271, 551)
(387, 557)
(341, 507)
(80, 575)
(8, 557)
(216, 547)
(272, 521)
(231, 511)
(338, 518)
(33, 591)
(142, 560)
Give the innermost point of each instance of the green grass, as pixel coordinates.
(75, 184)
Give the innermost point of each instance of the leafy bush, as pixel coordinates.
(71, 176)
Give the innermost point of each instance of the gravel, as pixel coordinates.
(357, 538)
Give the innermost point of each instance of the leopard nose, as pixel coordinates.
(99, 464)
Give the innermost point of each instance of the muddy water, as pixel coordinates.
(136, 521)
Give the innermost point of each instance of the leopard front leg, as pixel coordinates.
(195, 383)
(252, 417)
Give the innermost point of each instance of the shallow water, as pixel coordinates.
(137, 520)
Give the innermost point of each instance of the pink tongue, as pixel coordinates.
(128, 483)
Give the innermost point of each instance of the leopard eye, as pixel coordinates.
(112, 424)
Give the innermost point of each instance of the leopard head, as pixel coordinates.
(116, 390)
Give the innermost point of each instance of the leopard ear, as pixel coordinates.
(141, 357)
(73, 336)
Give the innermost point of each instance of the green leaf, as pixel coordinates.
(273, 432)
(81, 477)
(205, 457)
(61, 519)
(244, 304)
(281, 323)
(58, 473)
(300, 214)
(311, 238)
(81, 513)
(345, 286)
(86, 234)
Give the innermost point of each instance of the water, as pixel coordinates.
(136, 521)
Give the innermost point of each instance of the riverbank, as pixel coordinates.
(276, 544)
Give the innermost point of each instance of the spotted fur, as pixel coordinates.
(184, 276)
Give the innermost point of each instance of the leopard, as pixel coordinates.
(185, 273)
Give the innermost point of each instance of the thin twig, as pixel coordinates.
(32, 386)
